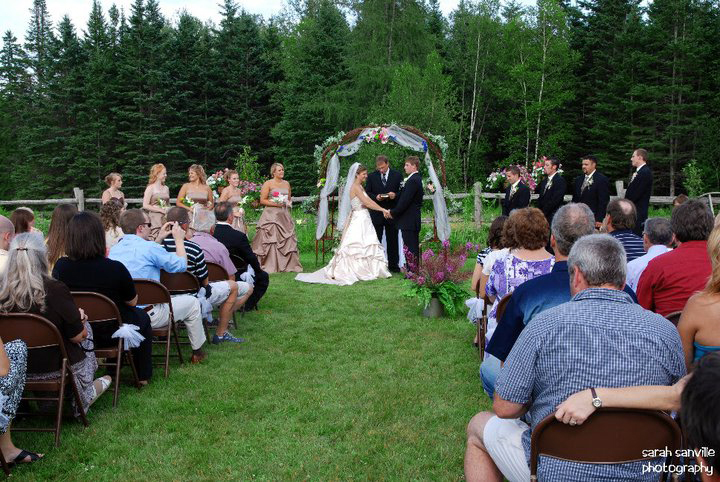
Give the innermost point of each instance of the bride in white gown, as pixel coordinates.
(360, 256)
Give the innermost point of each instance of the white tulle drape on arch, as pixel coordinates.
(402, 138)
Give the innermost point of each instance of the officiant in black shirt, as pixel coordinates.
(383, 186)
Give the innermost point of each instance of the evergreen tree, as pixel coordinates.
(312, 92)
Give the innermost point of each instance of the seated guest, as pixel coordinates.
(7, 233)
(672, 278)
(238, 246)
(110, 216)
(27, 288)
(526, 233)
(24, 220)
(570, 223)
(487, 257)
(680, 199)
(696, 396)
(85, 268)
(485, 260)
(559, 354)
(657, 240)
(13, 366)
(145, 259)
(58, 231)
(620, 223)
(220, 294)
(699, 325)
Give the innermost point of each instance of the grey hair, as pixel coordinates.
(22, 286)
(600, 258)
(659, 231)
(203, 220)
(570, 223)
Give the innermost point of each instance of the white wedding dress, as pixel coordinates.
(360, 256)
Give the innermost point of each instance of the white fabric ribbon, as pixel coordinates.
(131, 336)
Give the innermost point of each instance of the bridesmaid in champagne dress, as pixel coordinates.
(275, 243)
(156, 200)
(114, 181)
(232, 194)
(196, 190)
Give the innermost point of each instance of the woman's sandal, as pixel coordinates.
(20, 458)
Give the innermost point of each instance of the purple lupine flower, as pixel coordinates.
(469, 245)
(428, 254)
(421, 280)
(446, 243)
(439, 277)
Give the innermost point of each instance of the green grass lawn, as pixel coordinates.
(334, 383)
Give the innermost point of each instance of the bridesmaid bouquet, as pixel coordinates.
(278, 197)
(188, 202)
(162, 203)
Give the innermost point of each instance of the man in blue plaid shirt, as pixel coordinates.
(600, 338)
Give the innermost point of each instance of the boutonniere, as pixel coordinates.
(402, 184)
(633, 176)
(590, 182)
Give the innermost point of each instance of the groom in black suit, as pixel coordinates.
(383, 187)
(407, 210)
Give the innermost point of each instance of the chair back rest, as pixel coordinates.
(674, 317)
(98, 307)
(151, 292)
(216, 272)
(184, 283)
(35, 330)
(598, 441)
(501, 307)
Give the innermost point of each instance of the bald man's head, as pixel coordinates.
(7, 232)
(622, 214)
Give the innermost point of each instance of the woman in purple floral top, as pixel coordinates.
(526, 233)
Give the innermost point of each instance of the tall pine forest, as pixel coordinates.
(502, 82)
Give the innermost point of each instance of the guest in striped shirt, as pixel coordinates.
(619, 223)
(220, 294)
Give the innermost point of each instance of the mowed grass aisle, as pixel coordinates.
(334, 383)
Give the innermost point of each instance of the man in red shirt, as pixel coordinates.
(671, 278)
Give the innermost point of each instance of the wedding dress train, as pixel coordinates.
(360, 256)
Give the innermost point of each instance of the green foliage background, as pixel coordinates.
(502, 82)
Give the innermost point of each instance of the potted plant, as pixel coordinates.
(438, 283)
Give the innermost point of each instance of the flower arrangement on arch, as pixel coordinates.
(439, 275)
(378, 134)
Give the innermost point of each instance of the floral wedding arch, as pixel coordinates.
(405, 136)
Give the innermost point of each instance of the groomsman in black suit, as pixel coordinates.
(517, 195)
(383, 186)
(239, 247)
(407, 210)
(592, 188)
(638, 191)
(551, 190)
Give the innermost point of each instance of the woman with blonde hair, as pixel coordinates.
(275, 243)
(114, 182)
(156, 200)
(58, 232)
(28, 288)
(195, 191)
(699, 324)
(233, 195)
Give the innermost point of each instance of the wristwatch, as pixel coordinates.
(597, 403)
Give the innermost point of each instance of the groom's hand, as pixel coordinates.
(392, 195)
